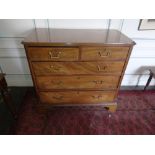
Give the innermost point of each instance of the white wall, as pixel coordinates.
(14, 62)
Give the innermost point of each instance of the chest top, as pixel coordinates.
(76, 37)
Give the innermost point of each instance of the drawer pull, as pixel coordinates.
(96, 97)
(103, 54)
(54, 54)
(55, 68)
(104, 68)
(58, 97)
(98, 82)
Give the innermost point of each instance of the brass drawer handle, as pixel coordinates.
(104, 68)
(55, 68)
(98, 82)
(104, 53)
(54, 54)
(96, 97)
(58, 97)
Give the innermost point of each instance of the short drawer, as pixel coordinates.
(76, 97)
(71, 68)
(53, 54)
(77, 82)
(104, 53)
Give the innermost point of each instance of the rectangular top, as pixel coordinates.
(76, 37)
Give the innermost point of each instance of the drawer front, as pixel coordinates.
(70, 68)
(104, 53)
(53, 54)
(77, 82)
(76, 97)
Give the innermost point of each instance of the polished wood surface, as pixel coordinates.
(76, 37)
(77, 68)
(77, 82)
(53, 54)
(104, 53)
(77, 97)
(73, 67)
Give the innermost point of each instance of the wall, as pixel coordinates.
(14, 63)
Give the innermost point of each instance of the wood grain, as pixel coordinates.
(77, 82)
(77, 68)
(104, 53)
(76, 97)
(53, 54)
(77, 37)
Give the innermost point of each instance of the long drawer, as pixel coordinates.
(104, 53)
(53, 54)
(70, 68)
(77, 82)
(76, 97)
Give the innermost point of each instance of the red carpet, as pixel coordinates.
(135, 115)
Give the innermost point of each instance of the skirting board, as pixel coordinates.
(136, 88)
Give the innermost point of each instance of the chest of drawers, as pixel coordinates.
(77, 67)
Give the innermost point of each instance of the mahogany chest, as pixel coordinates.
(77, 66)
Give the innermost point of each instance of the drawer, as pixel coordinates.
(76, 97)
(53, 54)
(71, 68)
(77, 82)
(104, 53)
